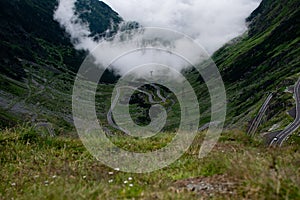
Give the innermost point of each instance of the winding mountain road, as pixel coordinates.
(290, 129)
(150, 98)
(158, 92)
(260, 115)
(109, 114)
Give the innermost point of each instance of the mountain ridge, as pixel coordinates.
(28, 28)
(38, 60)
(263, 60)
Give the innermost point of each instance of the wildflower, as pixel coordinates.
(110, 173)
(110, 181)
(125, 182)
(130, 185)
(130, 178)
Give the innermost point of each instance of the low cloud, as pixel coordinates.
(78, 30)
(210, 23)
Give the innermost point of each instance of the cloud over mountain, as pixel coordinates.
(212, 23)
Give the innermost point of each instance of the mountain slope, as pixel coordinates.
(264, 60)
(38, 61)
(28, 31)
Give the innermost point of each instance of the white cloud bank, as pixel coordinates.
(78, 30)
(211, 23)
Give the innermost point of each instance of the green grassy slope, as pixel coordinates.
(37, 60)
(266, 59)
(36, 167)
(28, 31)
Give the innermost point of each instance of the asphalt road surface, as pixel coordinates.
(283, 135)
(260, 115)
(150, 98)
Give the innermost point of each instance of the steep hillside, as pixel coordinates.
(264, 60)
(38, 65)
(28, 31)
(38, 61)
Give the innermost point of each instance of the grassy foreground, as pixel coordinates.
(37, 167)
